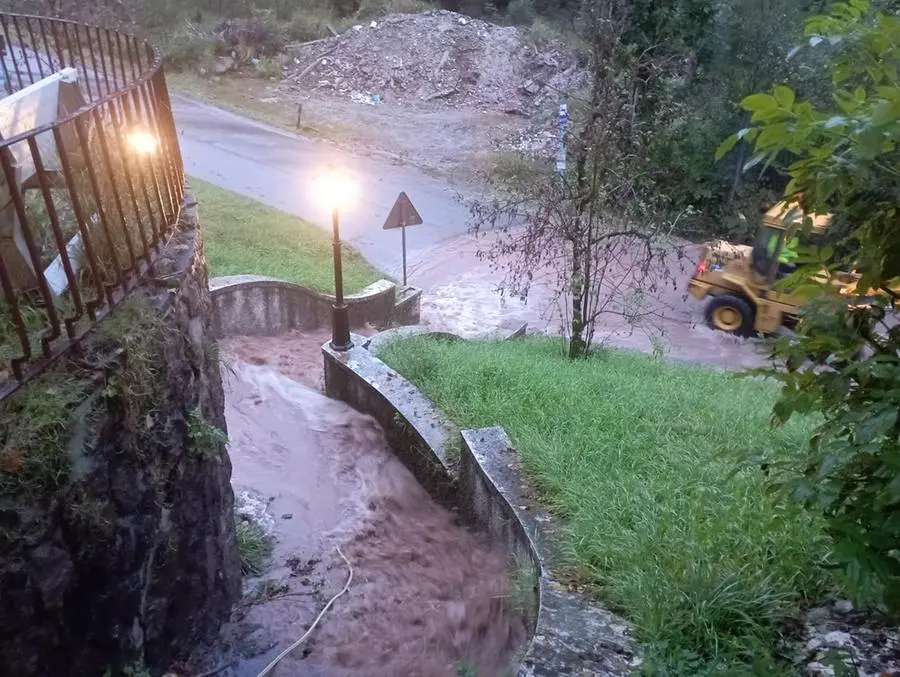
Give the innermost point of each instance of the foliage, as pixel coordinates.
(254, 547)
(521, 12)
(638, 456)
(35, 425)
(183, 49)
(718, 52)
(843, 157)
(592, 229)
(278, 244)
(205, 438)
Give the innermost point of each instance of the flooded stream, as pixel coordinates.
(428, 597)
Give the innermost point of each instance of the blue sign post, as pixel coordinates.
(561, 152)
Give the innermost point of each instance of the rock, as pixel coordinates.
(223, 64)
(530, 87)
(818, 615)
(837, 639)
(254, 508)
(843, 606)
(51, 572)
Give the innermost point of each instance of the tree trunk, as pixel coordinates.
(577, 346)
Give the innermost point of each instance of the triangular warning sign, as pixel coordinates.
(402, 214)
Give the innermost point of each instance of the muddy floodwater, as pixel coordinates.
(428, 598)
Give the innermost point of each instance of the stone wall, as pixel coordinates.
(249, 305)
(479, 473)
(117, 544)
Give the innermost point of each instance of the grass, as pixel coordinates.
(639, 457)
(242, 236)
(254, 547)
(35, 425)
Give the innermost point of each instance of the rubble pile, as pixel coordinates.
(438, 57)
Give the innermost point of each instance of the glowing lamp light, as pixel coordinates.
(336, 189)
(143, 142)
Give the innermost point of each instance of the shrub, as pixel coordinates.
(254, 547)
(268, 68)
(261, 35)
(307, 25)
(184, 50)
(521, 12)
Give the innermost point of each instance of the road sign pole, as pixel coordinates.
(403, 231)
(402, 215)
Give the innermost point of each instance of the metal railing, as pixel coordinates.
(91, 182)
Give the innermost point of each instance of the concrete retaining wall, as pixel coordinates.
(478, 472)
(253, 305)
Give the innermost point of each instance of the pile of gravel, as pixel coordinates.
(437, 58)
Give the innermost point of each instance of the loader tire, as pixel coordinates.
(731, 314)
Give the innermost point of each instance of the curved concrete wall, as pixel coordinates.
(478, 472)
(249, 305)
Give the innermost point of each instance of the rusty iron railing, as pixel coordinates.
(91, 182)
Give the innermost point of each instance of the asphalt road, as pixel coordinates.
(281, 170)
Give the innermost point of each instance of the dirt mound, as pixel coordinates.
(438, 57)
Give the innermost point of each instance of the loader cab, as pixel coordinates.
(784, 226)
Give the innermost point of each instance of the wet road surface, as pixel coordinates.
(281, 170)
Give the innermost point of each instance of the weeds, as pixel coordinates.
(254, 547)
(638, 457)
(137, 330)
(205, 439)
(35, 425)
(268, 68)
(89, 514)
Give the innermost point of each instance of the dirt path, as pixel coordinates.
(427, 595)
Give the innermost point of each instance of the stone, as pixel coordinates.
(530, 87)
(837, 639)
(843, 606)
(223, 64)
(818, 615)
(51, 572)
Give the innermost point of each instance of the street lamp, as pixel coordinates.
(142, 142)
(336, 188)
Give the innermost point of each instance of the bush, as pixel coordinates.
(254, 547)
(308, 24)
(370, 9)
(268, 68)
(521, 12)
(185, 50)
(259, 36)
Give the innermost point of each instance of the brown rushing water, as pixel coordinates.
(426, 595)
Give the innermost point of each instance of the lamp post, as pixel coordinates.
(335, 188)
(340, 321)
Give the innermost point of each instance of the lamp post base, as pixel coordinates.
(340, 328)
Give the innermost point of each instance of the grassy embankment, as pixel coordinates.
(242, 236)
(639, 456)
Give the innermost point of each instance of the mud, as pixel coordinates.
(427, 596)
